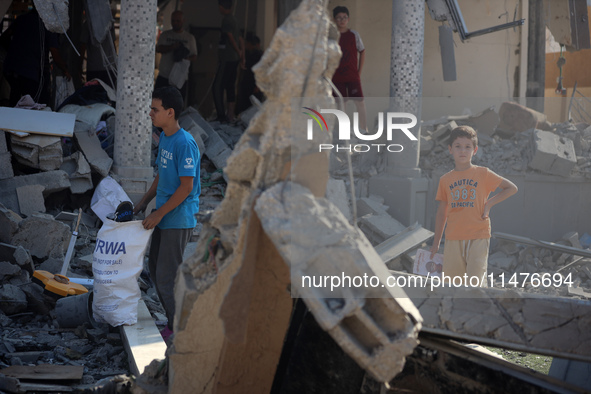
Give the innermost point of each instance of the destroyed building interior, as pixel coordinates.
(291, 202)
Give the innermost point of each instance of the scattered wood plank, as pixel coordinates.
(37, 122)
(44, 372)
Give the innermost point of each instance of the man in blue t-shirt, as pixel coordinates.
(176, 188)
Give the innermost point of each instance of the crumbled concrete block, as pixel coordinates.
(369, 206)
(43, 237)
(52, 264)
(502, 261)
(426, 144)
(38, 151)
(9, 221)
(230, 134)
(90, 145)
(573, 238)
(6, 170)
(379, 228)
(17, 255)
(336, 192)
(217, 150)
(197, 118)
(30, 199)
(187, 123)
(79, 173)
(515, 118)
(12, 299)
(552, 154)
(8, 270)
(441, 135)
(53, 181)
(485, 123)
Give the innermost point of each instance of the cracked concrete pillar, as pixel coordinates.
(134, 95)
(402, 187)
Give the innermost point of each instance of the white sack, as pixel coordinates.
(107, 197)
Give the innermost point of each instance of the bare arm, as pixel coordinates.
(361, 60)
(174, 201)
(440, 220)
(508, 189)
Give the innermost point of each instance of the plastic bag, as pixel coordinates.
(179, 73)
(117, 262)
(107, 197)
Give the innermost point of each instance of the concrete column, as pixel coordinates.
(402, 187)
(135, 82)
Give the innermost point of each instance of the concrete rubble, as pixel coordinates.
(515, 145)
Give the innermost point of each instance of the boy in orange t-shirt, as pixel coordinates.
(464, 204)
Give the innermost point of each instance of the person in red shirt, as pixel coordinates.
(347, 76)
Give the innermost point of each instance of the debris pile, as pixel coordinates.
(44, 180)
(517, 140)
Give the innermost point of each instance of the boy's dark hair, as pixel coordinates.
(463, 131)
(227, 4)
(338, 9)
(171, 98)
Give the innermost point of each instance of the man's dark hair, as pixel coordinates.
(338, 9)
(171, 98)
(227, 4)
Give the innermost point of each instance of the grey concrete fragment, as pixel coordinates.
(187, 123)
(30, 199)
(247, 115)
(217, 150)
(427, 144)
(515, 118)
(367, 206)
(197, 118)
(53, 181)
(89, 114)
(314, 238)
(230, 134)
(442, 133)
(12, 299)
(43, 237)
(9, 221)
(336, 193)
(573, 238)
(6, 170)
(502, 261)
(79, 173)
(8, 270)
(485, 123)
(38, 151)
(53, 265)
(90, 145)
(380, 228)
(552, 154)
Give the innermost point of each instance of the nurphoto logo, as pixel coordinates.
(392, 121)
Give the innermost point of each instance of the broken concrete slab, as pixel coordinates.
(502, 261)
(411, 238)
(52, 181)
(6, 170)
(515, 118)
(79, 173)
(379, 228)
(441, 135)
(217, 150)
(552, 154)
(12, 299)
(8, 270)
(30, 199)
(426, 144)
(336, 192)
(485, 123)
(9, 221)
(369, 206)
(17, 255)
(299, 224)
(43, 237)
(90, 145)
(197, 118)
(38, 151)
(187, 123)
(37, 122)
(247, 115)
